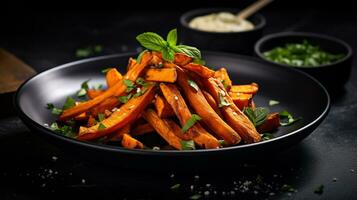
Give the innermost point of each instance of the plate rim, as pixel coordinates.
(29, 122)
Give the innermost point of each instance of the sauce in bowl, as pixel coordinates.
(220, 22)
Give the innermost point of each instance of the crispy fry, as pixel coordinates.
(142, 129)
(241, 100)
(212, 102)
(162, 128)
(118, 135)
(107, 104)
(132, 62)
(196, 132)
(130, 142)
(232, 114)
(222, 75)
(125, 115)
(163, 108)
(201, 70)
(247, 89)
(82, 116)
(271, 123)
(117, 90)
(168, 75)
(92, 93)
(112, 77)
(208, 115)
(182, 59)
(91, 121)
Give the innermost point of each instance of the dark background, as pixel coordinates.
(47, 34)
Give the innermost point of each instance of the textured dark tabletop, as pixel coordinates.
(30, 168)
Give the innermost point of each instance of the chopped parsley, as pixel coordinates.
(273, 102)
(287, 119)
(187, 145)
(130, 85)
(101, 126)
(101, 117)
(105, 70)
(64, 130)
(124, 99)
(54, 110)
(267, 136)
(194, 118)
(70, 102)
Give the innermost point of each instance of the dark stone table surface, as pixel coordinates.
(30, 168)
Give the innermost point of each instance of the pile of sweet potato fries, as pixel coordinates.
(188, 104)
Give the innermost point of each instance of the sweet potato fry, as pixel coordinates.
(201, 70)
(196, 132)
(163, 108)
(271, 123)
(116, 90)
(112, 77)
(208, 115)
(82, 116)
(177, 130)
(247, 89)
(232, 114)
(222, 75)
(168, 75)
(130, 142)
(118, 135)
(142, 129)
(182, 59)
(92, 93)
(127, 113)
(241, 100)
(107, 104)
(91, 121)
(162, 128)
(212, 102)
(132, 62)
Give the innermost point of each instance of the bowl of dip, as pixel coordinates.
(326, 58)
(218, 29)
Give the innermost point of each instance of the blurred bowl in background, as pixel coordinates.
(333, 75)
(236, 42)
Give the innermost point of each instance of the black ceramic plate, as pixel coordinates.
(298, 93)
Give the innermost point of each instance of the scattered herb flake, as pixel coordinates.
(101, 117)
(98, 86)
(222, 143)
(54, 110)
(140, 92)
(223, 102)
(64, 130)
(141, 81)
(273, 102)
(267, 136)
(70, 102)
(81, 93)
(195, 196)
(175, 187)
(105, 70)
(124, 99)
(101, 126)
(187, 144)
(193, 84)
(287, 119)
(129, 85)
(194, 118)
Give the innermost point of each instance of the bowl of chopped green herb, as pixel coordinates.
(326, 58)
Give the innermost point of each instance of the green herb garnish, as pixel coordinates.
(124, 99)
(141, 81)
(140, 92)
(194, 118)
(267, 136)
(223, 102)
(187, 145)
(54, 110)
(64, 130)
(97, 86)
(105, 70)
(101, 117)
(168, 48)
(222, 143)
(129, 85)
(302, 55)
(175, 187)
(70, 102)
(195, 196)
(101, 126)
(193, 84)
(138, 59)
(256, 116)
(287, 119)
(83, 91)
(273, 102)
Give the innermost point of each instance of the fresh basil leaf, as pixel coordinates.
(105, 70)
(151, 41)
(129, 85)
(193, 84)
(249, 112)
(194, 118)
(101, 126)
(172, 37)
(168, 54)
(101, 117)
(70, 102)
(287, 119)
(187, 145)
(124, 99)
(273, 102)
(140, 56)
(189, 51)
(223, 102)
(199, 61)
(260, 115)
